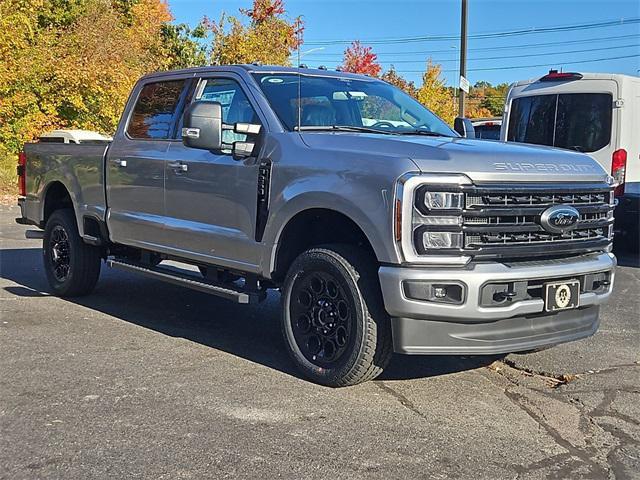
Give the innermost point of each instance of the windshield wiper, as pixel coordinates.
(341, 128)
(427, 133)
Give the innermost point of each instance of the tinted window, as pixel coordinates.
(236, 107)
(488, 132)
(155, 111)
(583, 121)
(531, 119)
(578, 121)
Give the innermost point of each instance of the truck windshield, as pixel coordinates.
(327, 101)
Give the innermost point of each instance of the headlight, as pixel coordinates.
(441, 200)
(429, 218)
(431, 240)
(435, 214)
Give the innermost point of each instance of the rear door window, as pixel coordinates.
(583, 121)
(154, 114)
(532, 119)
(577, 121)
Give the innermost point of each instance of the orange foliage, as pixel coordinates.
(361, 59)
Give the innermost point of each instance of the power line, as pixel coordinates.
(503, 47)
(518, 67)
(481, 36)
(515, 56)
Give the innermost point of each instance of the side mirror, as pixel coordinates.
(464, 127)
(202, 126)
(245, 149)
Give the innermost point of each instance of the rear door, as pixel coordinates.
(211, 197)
(136, 165)
(578, 115)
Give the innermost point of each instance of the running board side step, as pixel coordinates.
(172, 275)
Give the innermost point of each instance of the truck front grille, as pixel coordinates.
(503, 221)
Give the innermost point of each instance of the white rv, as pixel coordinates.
(595, 113)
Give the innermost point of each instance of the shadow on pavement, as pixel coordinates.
(250, 332)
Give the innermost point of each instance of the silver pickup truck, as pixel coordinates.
(383, 228)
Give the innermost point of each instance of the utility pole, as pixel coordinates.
(463, 55)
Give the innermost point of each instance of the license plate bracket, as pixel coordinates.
(563, 295)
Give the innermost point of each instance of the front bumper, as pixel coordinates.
(423, 327)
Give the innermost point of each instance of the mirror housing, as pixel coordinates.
(464, 127)
(245, 149)
(202, 126)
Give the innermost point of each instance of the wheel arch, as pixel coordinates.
(55, 196)
(312, 227)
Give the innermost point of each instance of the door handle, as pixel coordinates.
(119, 162)
(179, 166)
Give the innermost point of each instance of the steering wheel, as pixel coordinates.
(383, 124)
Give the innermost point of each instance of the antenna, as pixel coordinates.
(299, 80)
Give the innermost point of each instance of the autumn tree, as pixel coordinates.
(266, 36)
(434, 94)
(359, 58)
(394, 78)
(71, 64)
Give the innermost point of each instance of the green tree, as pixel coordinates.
(487, 99)
(184, 45)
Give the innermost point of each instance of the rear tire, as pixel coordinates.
(333, 321)
(72, 266)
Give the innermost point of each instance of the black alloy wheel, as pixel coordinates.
(322, 317)
(333, 319)
(59, 258)
(71, 265)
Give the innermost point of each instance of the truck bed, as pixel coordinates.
(79, 167)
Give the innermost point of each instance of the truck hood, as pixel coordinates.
(480, 160)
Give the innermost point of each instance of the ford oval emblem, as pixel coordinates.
(559, 219)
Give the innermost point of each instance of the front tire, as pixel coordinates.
(334, 324)
(72, 266)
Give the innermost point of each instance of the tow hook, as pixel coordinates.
(502, 296)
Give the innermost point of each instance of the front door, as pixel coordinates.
(136, 165)
(210, 197)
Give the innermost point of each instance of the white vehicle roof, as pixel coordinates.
(585, 76)
(76, 136)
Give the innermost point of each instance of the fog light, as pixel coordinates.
(453, 293)
(440, 292)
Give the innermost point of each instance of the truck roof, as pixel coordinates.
(259, 68)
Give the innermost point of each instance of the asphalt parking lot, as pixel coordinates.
(147, 380)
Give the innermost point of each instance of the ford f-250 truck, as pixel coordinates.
(383, 228)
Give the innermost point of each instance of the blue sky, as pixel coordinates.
(380, 20)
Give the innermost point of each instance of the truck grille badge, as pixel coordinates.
(559, 219)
